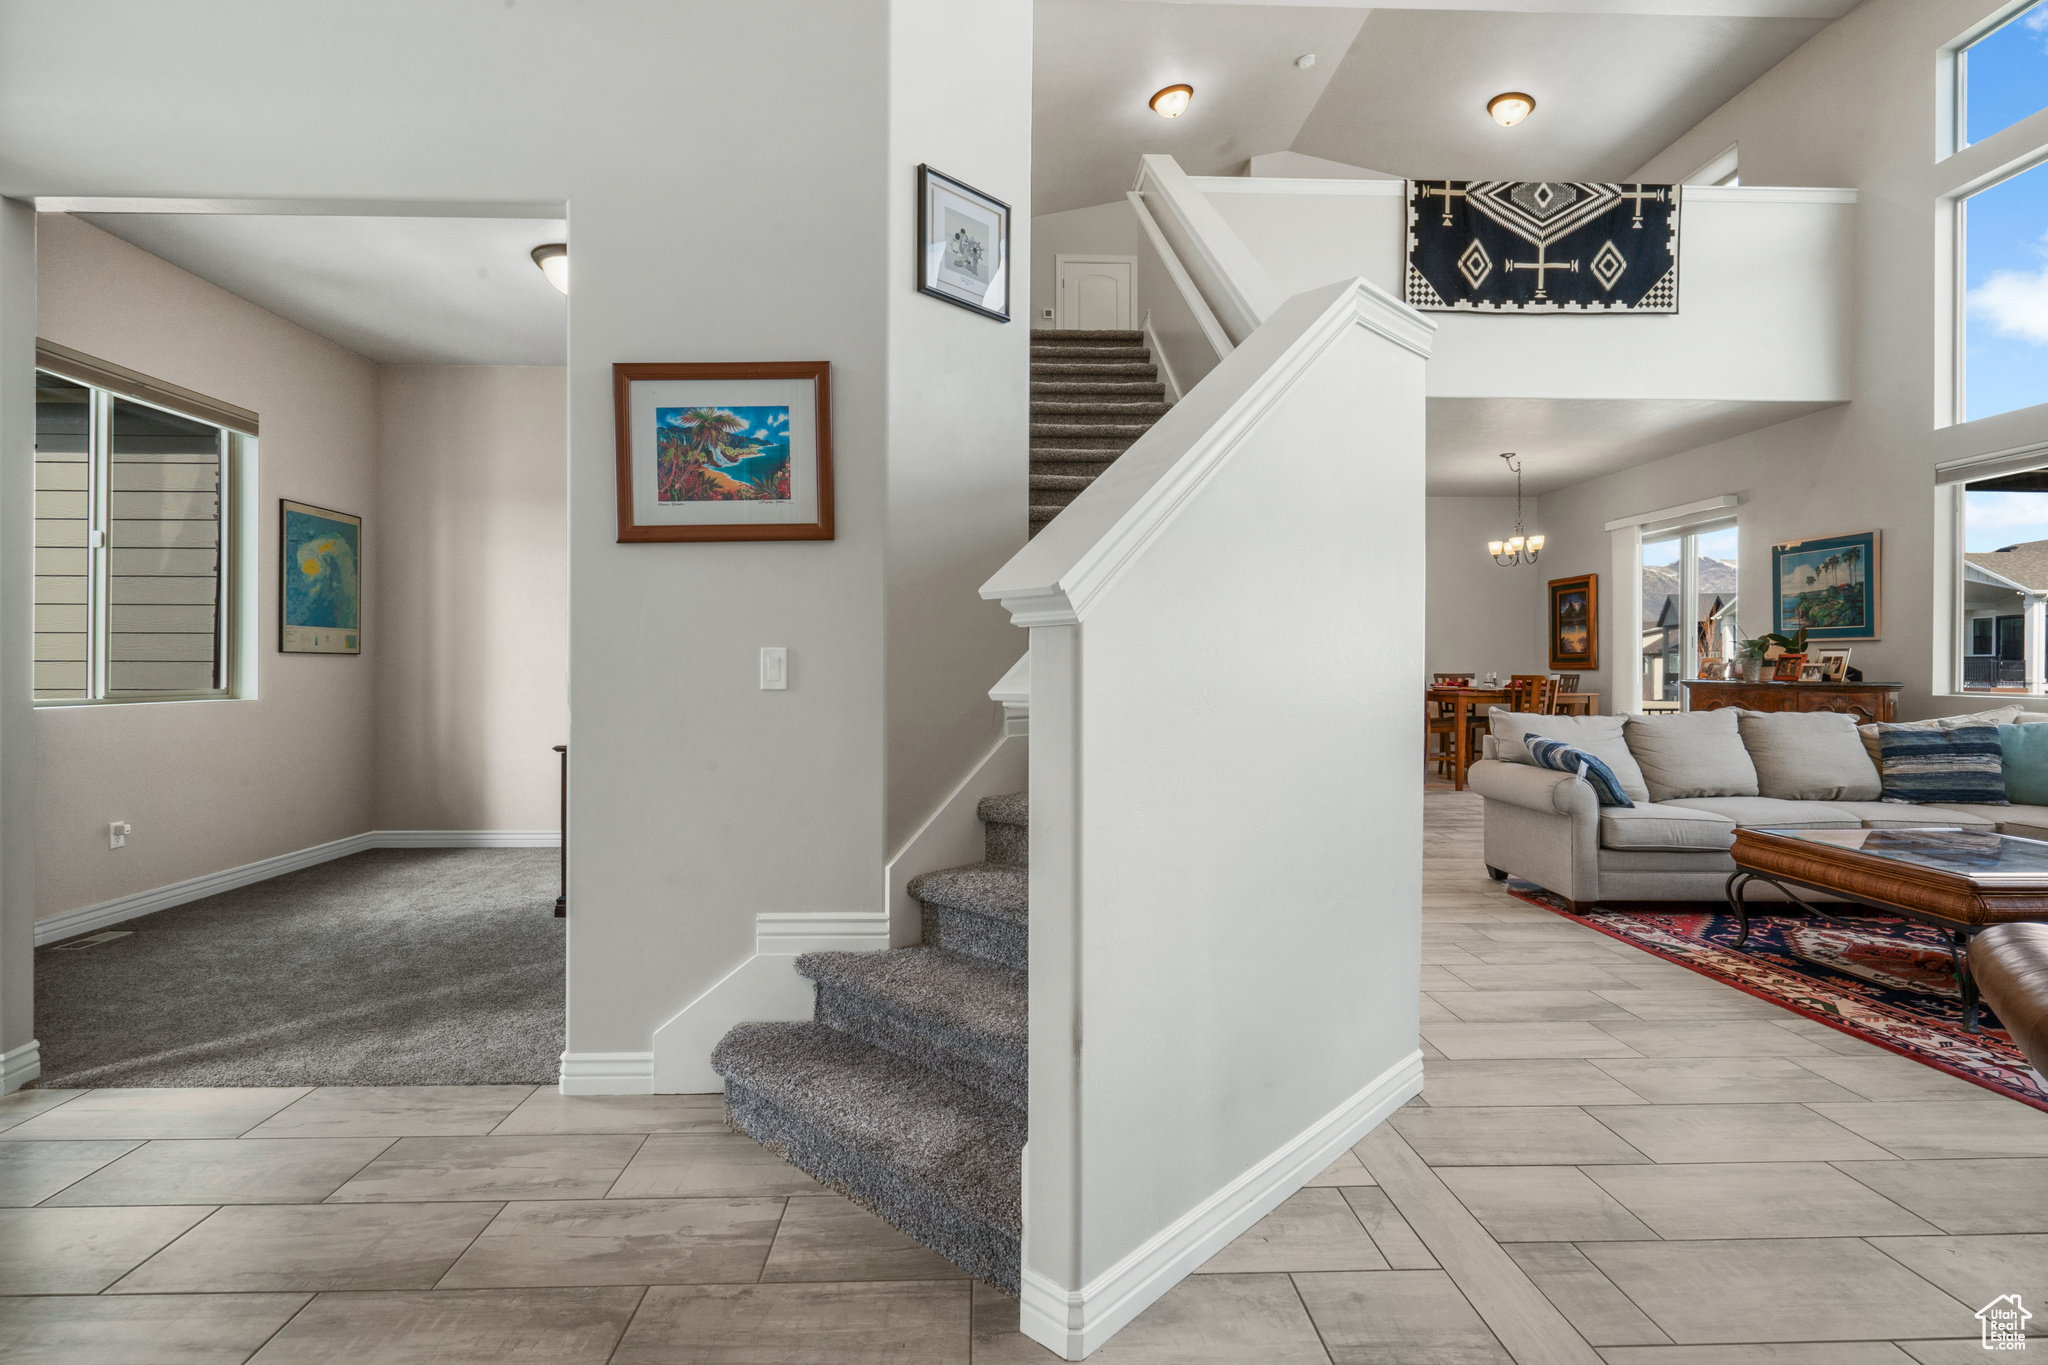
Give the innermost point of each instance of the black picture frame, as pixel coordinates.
(936, 274)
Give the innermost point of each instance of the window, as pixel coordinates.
(1690, 584)
(2004, 236)
(2004, 607)
(2002, 77)
(134, 595)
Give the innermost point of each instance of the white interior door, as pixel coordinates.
(1095, 292)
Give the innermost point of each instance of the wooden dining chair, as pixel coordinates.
(1567, 682)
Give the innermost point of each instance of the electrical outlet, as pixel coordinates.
(117, 834)
(774, 668)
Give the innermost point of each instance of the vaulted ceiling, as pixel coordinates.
(1401, 90)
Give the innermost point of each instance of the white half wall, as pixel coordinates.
(213, 784)
(472, 599)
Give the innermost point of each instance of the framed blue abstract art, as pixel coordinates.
(320, 597)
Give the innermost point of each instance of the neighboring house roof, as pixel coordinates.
(2025, 564)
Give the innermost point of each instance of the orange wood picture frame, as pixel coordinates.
(1561, 588)
(819, 372)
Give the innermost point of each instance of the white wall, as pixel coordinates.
(1855, 106)
(1111, 229)
(697, 800)
(1764, 311)
(471, 601)
(213, 784)
(1481, 616)
(959, 407)
(18, 1060)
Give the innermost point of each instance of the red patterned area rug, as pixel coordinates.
(1882, 979)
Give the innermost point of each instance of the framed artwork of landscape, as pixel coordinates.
(320, 597)
(724, 451)
(963, 245)
(1575, 623)
(1828, 586)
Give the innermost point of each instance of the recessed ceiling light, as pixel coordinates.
(1172, 102)
(553, 260)
(1511, 108)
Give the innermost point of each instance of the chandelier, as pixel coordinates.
(1519, 547)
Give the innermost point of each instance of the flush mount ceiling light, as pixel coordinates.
(1172, 102)
(1511, 108)
(1510, 552)
(553, 260)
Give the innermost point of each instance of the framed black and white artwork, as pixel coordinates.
(963, 239)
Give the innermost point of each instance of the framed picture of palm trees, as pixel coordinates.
(1828, 587)
(724, 450)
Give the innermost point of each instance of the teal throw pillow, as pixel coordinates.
(2025, 763)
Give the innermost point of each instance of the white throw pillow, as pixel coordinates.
(2002, 715)
(1809, 756)
(1694, 753)
(1600, 736)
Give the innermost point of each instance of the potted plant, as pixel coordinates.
(1758, 648)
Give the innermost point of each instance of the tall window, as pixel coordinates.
(2004, 232)
(2002, 77)
(2004, 608)
(133, 564)
(1689, 607)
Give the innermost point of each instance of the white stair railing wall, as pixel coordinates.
(1225, 829)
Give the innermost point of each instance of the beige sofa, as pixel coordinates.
(1695, 778)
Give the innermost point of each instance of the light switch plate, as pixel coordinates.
(774, 668)
(117, 834)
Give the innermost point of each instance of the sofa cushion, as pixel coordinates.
(2025, 822)
(1697, 753)
(2000, 715)
(1892, 815)
(1963, 763)
(1561, 757)
(2024, 763)
(1664, 827)
(1600, 736)
(1767, 812)
(1809, 756)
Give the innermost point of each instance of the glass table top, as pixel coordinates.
(1976, 854)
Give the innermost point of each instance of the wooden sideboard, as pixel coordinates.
(1868, 702)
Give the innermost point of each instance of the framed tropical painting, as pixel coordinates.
(963, 245)
(320, 597)
(1575, 623)
(724, 451)
(1828, 586)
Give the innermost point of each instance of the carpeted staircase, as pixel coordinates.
(906, 1091)
(1092, 395)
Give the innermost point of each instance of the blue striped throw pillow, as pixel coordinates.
(1562, 757)
(1965, 763)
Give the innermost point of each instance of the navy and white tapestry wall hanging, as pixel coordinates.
(1534, 246)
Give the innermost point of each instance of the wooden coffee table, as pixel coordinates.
(1961, 881)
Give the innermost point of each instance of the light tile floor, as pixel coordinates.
(1614, 1160)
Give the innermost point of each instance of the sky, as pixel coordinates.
(2006, 229)
(1996, 520)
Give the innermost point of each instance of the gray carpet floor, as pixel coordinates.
(392, 967)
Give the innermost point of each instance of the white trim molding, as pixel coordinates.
(1671, 514)
(19, 1066)
(1073, 1323)
(607, 1073)
(1281, 184)
(87, 918)
(1168, 380)
(1205, 316)
(1993, 464)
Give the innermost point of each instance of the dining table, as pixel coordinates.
(1578, 704)
(1462, 701)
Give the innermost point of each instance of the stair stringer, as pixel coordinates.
(766, 987)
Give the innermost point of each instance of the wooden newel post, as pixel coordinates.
(562, 900)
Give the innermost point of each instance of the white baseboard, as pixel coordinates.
(19, 1066)
(608, 1073)
(87, 918)
(763, 989)
(466, 838)
(1072, 1323)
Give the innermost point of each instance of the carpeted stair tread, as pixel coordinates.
(992, 889)
(1104, 388)
(1055, 335)
(1093, 394)
(1012, 809)
(1061, 482)
(963, 1017)
(939, 1160)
